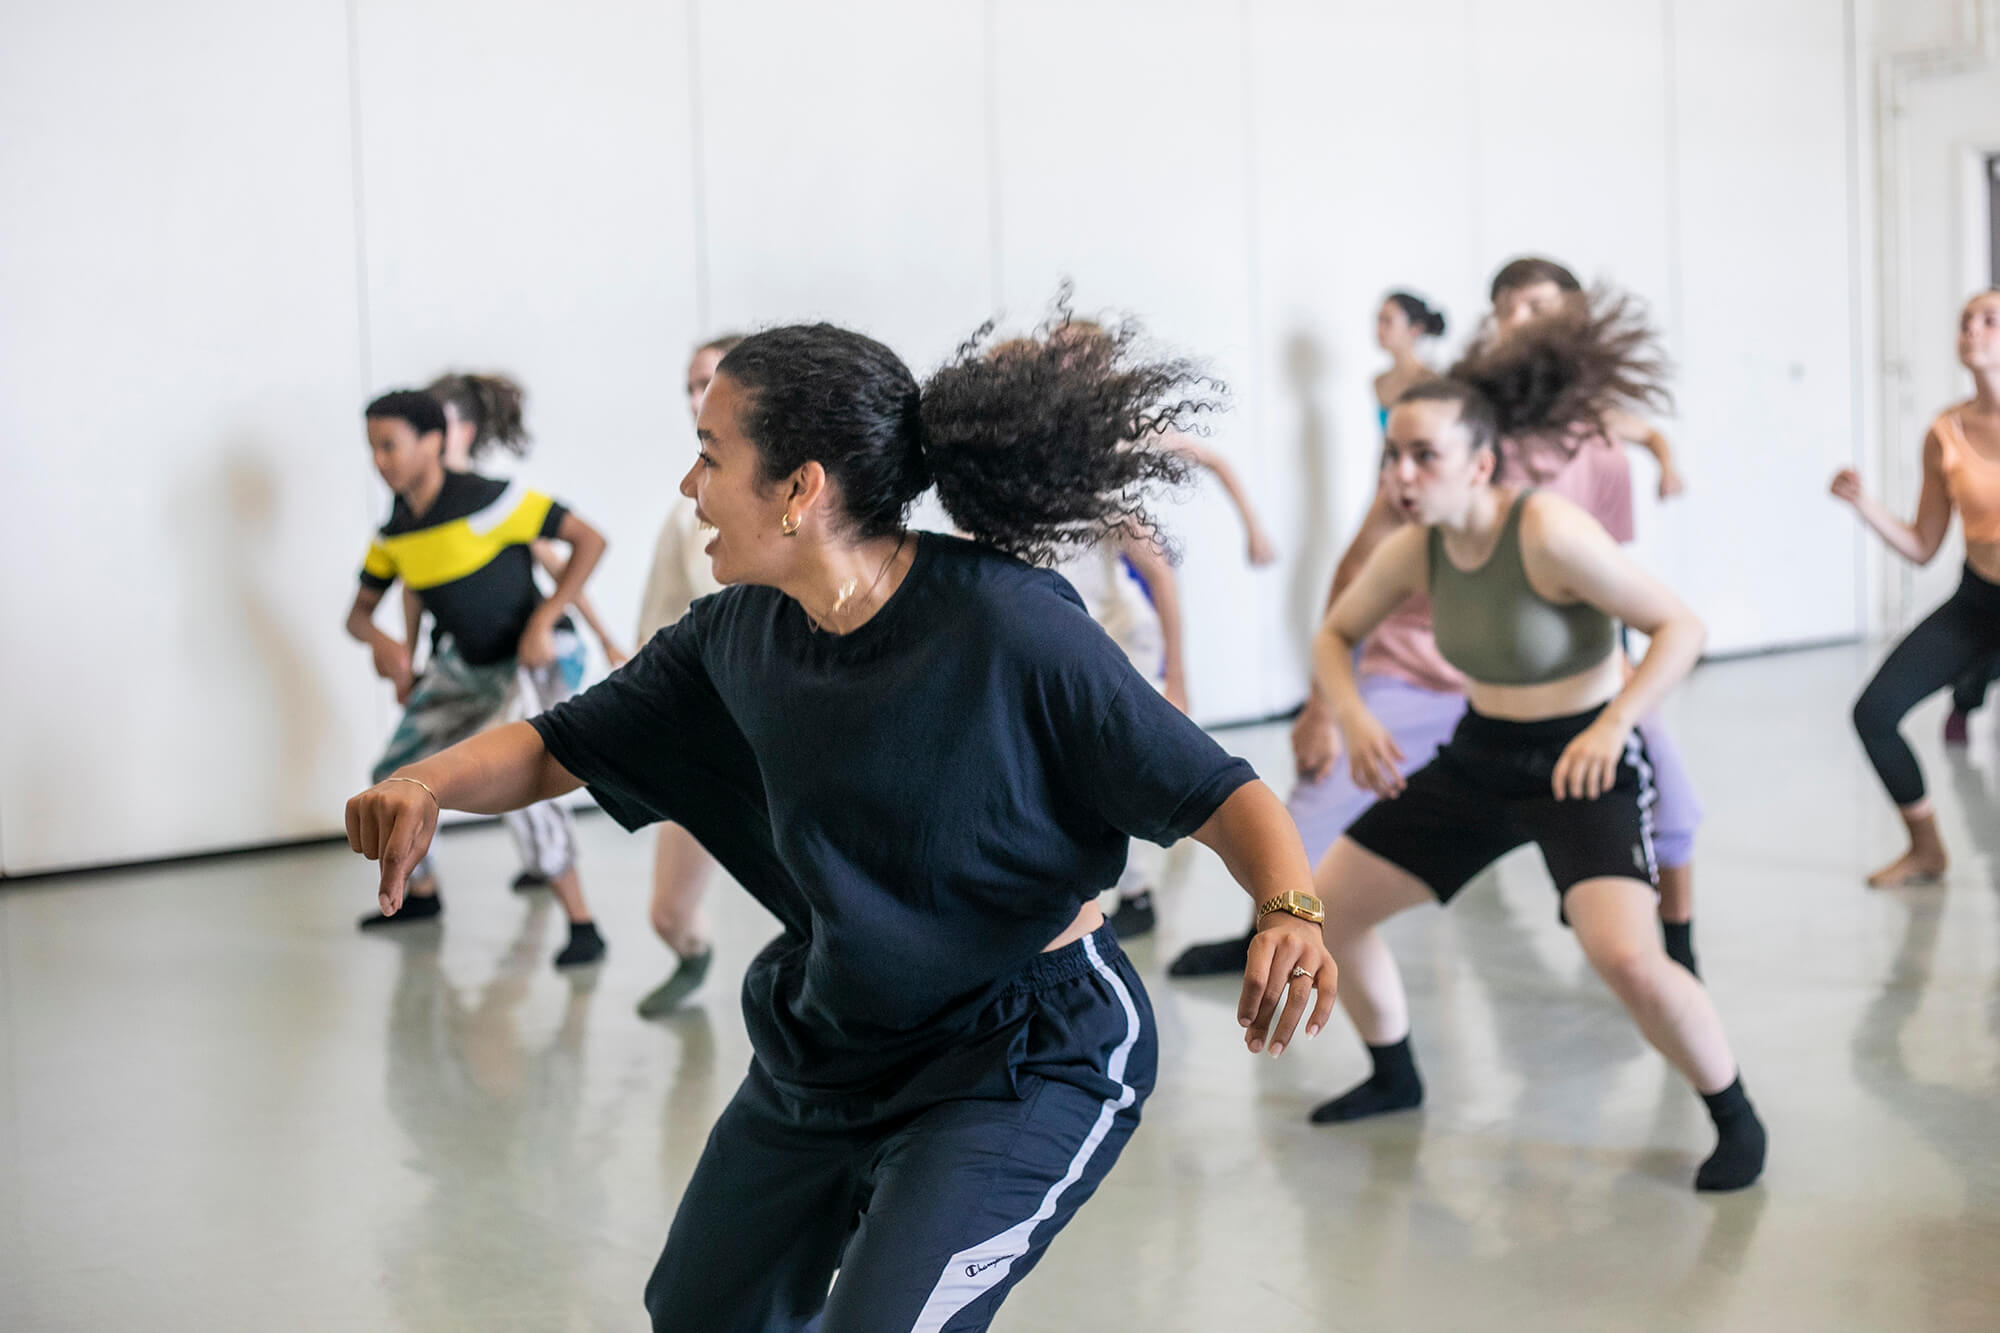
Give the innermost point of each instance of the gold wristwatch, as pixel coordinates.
(1301, 905)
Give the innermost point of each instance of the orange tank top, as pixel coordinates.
(1972, 479)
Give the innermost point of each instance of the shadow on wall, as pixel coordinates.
(1307, 368)
(300, 704)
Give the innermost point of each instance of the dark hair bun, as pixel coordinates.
(1418, 311)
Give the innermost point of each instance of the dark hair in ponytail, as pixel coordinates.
(1418, 311)
(1529, 270)
(1044, 443)
(492, 403)
(1555, 374)
(416, 407)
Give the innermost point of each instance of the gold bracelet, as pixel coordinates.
(427, 791)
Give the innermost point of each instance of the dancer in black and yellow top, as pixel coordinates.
(461, 542)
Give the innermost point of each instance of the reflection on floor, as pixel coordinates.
(220, 1108)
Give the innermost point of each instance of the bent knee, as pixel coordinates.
(1875, 715)
(1629, 970)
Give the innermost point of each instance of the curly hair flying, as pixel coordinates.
(1036, 445)
(1558, 373)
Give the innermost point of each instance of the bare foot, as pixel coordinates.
(1909, 870)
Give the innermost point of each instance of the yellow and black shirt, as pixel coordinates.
(467, 559)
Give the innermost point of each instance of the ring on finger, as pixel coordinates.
(1300, 972)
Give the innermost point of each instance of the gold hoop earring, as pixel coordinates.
(789, 526)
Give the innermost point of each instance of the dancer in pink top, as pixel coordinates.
(1589, 466)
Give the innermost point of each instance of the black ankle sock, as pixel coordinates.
(585, 945)
(1738, 1158)
(1679, 936)
(1134, 916)
(1394, 1086)
(1215, 959)
(413, 909)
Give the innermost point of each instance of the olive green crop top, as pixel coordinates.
(1492, 625)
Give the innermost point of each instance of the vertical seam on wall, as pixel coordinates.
(1271, 617)
(1864, 595)
(1676, 273)
(363, 328)
(698, 194)
(1475, 192)
(997, 270)
(1676, 267)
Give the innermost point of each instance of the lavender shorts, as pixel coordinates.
(1421, 720)
(1677, 811)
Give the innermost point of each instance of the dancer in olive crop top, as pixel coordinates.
(1524, 588)
(1491, 624)
(1962, 472)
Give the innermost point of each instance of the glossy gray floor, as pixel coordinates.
(222, 1109)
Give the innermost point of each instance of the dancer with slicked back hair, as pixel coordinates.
(921, 755)
(1403, 324)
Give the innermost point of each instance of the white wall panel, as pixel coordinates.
(1767, 384)
(1361, 166)
(178, 391)
(1123, 163)
(1573, 144)
(192, 317)
(1571, 137)
(845, 168)
(527, 179)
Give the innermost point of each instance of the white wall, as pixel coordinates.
(229, 224)
(179, 388)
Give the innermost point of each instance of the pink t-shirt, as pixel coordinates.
(1589, 470)
(1403, 646)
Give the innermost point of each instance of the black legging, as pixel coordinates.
(1956, 638)
(1968, 692)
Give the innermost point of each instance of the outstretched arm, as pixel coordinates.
(1569, 557)
(1396, 570)
(586, 545)
(1918, 540)
(1260, 549)
(413, 628)
(1165, 585)
(1637, 430)
(1315, 738)
(1260, 845)
(394, 821)
(557, 566)
(392, 659)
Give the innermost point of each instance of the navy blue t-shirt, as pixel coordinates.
(924, 803)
